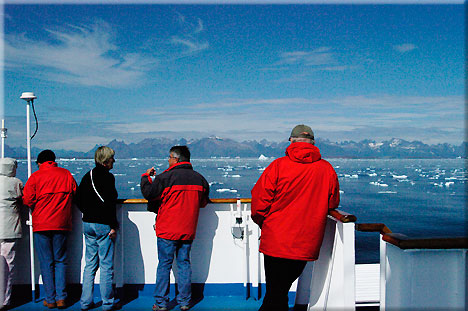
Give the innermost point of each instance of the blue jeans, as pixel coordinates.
(166, 251)
(99, 254)
(51, 249)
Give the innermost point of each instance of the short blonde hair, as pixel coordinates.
(103, 154)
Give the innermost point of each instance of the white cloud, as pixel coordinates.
(419, 103)
(79, 55)
(80, 143)
(256, 102)
(403, 48)
(190, 39)
(191, 45)
(338, 68)
(317, 57)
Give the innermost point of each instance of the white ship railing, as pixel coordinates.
(417, 274)
(421, 274)
(329, 282)
(222, 262)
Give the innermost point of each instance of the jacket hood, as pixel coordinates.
(47, 165)
(303, 152)
(183, 165)
(8, 167)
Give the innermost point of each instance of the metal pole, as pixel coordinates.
(4, 131)
(31, 236)
(28, 138)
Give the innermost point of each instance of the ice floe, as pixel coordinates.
(226, 190)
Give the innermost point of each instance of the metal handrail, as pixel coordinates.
(342, 216)
(337, 214)
(404, 242)
(370, 227)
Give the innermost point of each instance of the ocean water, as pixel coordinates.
(418, 198)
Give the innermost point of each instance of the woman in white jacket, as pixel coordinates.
(11, 191)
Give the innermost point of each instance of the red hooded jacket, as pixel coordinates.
(291, 200)
(49, 193)
(179, 192)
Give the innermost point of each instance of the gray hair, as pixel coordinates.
(302, 139)
(103, 154)
(181, 152)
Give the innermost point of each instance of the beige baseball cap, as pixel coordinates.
(303, 131)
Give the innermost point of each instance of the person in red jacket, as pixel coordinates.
(177, 194)
(49, 194)
(290, 203)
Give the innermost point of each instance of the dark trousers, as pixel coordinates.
(280, 273)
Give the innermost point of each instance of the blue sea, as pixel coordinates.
(418, 198)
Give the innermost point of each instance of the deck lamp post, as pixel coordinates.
(4, 136)
(29, 97)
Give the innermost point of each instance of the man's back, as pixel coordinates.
(181, 192)
(290, 202)
(49, 191)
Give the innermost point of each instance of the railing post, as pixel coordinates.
(255, 262)
(332, 284)
(424, 273)
(120, 246)
(383, 271)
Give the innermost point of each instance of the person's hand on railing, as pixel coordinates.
(112, 234)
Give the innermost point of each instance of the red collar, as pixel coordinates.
(178, 164)
(47, 165)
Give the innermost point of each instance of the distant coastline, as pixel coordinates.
(394, 148)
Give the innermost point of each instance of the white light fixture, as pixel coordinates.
(28, 96)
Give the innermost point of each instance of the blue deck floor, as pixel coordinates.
(146, 302)
(141, 298)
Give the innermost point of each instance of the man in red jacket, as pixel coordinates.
(178, 193)
(49, 193)
(290, 203)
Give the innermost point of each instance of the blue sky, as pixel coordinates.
(132, 71)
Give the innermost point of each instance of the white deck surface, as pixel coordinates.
(367, 283)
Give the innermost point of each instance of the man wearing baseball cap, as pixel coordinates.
(49, 194)
(290, 203)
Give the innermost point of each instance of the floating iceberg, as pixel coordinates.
(226, 190)
(262, 157)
